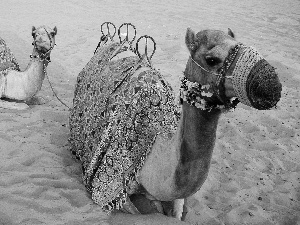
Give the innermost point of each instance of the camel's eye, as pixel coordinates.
(212, 61)
(52, 34)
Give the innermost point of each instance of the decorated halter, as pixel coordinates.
(255, 83)
(43, 56)
(195, 94)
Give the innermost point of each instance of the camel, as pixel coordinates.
(141, 154)
(19, 87)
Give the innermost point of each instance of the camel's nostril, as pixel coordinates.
(263, 86)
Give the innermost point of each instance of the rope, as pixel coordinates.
(53, 89)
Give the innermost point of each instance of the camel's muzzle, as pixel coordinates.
(255, 81)
(44, 48)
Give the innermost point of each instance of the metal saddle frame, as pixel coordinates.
(109, 31)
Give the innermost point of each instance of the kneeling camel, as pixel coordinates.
(140, 153)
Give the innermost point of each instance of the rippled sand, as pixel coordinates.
(255, 171)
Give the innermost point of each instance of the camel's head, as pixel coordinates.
(44, 38)
(225, 69)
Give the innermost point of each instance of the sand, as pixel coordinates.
(255, 171)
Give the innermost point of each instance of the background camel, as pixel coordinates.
(17, 87)
(139, 153)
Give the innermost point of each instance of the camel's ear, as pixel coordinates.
(33, 31)
(190, 40)
(230, 33)
(55, 30)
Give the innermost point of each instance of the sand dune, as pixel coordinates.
(255, 171)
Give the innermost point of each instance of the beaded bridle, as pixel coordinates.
(46, 55)
(194, 93)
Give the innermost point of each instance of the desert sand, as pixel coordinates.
(255, 171)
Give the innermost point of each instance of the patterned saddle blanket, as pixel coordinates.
(119, 108)
(7, 62)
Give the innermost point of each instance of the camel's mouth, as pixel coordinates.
(43, 46)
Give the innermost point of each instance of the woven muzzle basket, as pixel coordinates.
(255, 81)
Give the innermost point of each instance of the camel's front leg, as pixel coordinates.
(146, 204)
(119, 218)
(178, 208)
(144, 212)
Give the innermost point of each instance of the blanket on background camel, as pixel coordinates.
(7, 62)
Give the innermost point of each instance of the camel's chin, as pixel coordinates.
(43, 49)
(42, 46)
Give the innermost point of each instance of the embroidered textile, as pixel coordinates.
(7, 62)
(114, 122)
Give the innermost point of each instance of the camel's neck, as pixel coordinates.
(22, 85)
(197, 132)
(36, 64)
(177, 168)
(35, 73)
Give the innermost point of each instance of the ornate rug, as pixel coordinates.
(7, 62)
